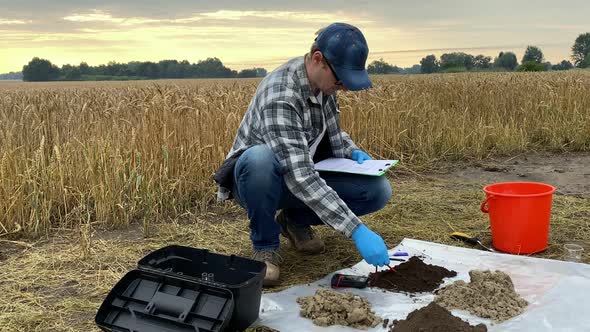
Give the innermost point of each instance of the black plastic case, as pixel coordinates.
(180, 288)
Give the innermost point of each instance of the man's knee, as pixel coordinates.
(258, 161)
(381, 193)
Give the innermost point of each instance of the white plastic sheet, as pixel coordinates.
(557, 291)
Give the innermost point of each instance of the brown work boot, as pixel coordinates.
(272, 259)
(303, 238)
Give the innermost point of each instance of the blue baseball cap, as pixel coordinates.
(345, 48)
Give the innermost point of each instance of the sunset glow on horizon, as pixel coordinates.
(266, 34)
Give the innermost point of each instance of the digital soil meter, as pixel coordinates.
(345, 280)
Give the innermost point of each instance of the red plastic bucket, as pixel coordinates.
(519, 215)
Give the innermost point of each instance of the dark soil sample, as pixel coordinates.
(434, 318)
(265, 329)
(413, 276)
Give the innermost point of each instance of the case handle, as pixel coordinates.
(171, 305)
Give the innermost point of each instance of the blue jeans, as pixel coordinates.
(260, 189)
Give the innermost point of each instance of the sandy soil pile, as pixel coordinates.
(488, 295)
(412, 276)
(328, 307)
(433, 318)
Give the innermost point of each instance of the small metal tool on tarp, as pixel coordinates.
(469, 240)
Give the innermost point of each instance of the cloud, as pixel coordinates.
(4, 21)
(101, 16)
(279, 15)
(299, 17)
(95, 16)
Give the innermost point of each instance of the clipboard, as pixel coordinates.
(345, 165)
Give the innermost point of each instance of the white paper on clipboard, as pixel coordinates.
(344, 165)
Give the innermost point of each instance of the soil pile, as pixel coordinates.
(434, 318)
(488, 295)
(264, 329)
(412, 276)
(327, 308)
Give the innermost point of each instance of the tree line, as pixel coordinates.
(12, 76)
(43, 70)
(533, 60)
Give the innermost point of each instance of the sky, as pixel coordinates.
(265, 33)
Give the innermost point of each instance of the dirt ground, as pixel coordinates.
(568, 172)
(47, 284)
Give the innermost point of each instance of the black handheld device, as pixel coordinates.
(345, 280)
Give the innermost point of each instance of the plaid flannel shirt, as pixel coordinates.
(286, 116)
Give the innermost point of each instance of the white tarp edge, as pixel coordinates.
(557, 291)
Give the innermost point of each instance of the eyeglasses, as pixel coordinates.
(338, 82)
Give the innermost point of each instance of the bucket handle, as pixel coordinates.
(483, 207)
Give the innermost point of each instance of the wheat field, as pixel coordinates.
(75, 155)
(95, 175)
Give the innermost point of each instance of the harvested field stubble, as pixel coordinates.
(112, 153)
(50, 285)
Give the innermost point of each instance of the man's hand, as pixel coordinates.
(360, 156)
(371, 246)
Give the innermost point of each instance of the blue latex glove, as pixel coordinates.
(371, 246)
(360, 156)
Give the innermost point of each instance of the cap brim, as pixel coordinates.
(353, 80)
